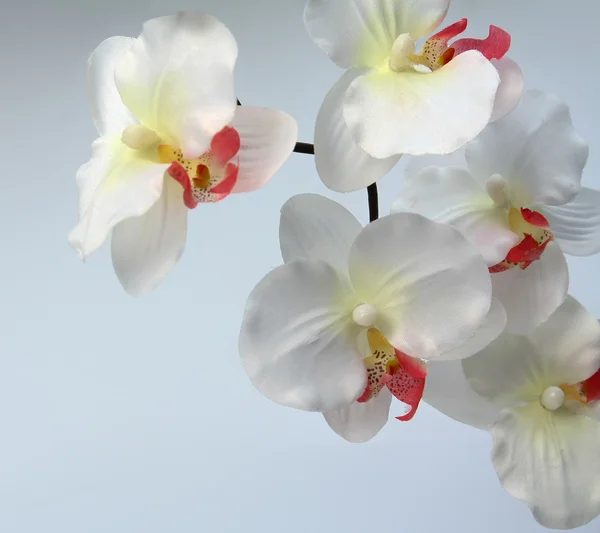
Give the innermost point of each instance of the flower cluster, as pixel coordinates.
(458, 297)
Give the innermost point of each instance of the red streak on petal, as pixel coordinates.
(535, 218)
(500, 267)
(225, 145)
(180, 175)
(450, 31)
(527, 250)
(591, 387)
(224, 188)
(414, 367)
(494, 46)
(366, 396)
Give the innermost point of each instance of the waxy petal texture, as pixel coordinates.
(429, 285)
(296, 341)
(177, 79)
(360, 33)
(343, 165)
(144, 249)
(413, 113)
(317, 228)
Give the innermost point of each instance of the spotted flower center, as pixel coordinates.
(387, 367)
(437, 51)
(210, 177)
(534, 232)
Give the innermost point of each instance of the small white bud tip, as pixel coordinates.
(365, 315)
(553, 398)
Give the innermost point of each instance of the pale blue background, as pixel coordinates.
(134, 416)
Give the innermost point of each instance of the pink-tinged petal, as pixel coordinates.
(510, 89)
(145, 249)
(267, 138)
(494, 46)
(407, 383)
(180, 175)
(225, 145)
(224, 188)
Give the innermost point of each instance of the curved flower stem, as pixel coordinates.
(309, 149)
(373, 202)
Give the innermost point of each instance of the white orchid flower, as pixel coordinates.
(171, 136)
(519, 199)
(540, 396)
(392, 100)
(344, 324)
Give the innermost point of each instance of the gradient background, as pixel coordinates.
(127, 415)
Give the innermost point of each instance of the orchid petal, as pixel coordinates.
(510, 90)
(267, 141)
(563, 350)
(343, 166)
(177, 79)
(117, 183)
(448, 391)
(429, 285)
(548, 460)
(297, 343)
(144, 249)
(535, 148)
(109, 113)
(492, 327)
(576, 225)
(453, 196)
(494, 46)
(530, 296)
(415, 113)
(360, 422)
(317, 228)
(360, 33)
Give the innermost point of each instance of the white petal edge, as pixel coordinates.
(413, 113)
(267, 140)
(448, 391)
(453, 196)
(360, 422)
(117, 183)
(109, 113)
(576, 225)
(343, 166)
(417, 163)
(510, 89)
(297, 343)
(549, 461)
(145, 249)
(430, 286)
(177, 79)
(490, 330)
(530, 296)
(360, 33)
(535, 148)
(317, 228)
